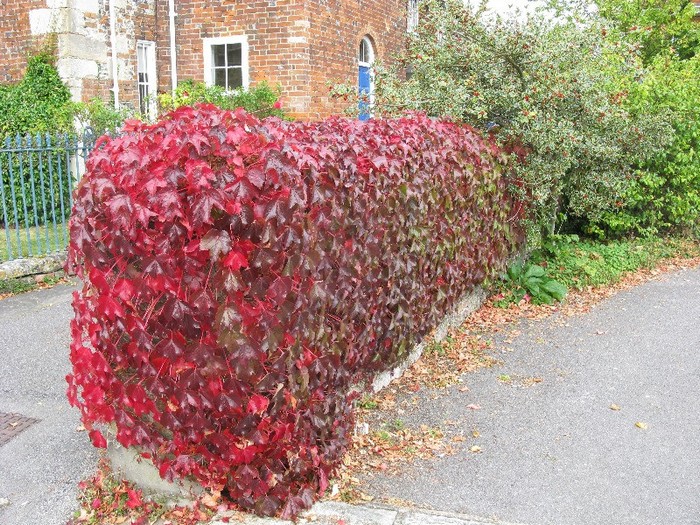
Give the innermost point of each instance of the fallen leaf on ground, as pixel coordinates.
(641, 425)
(211, 500)
(473, 407)
(475, 448)
(614, 407)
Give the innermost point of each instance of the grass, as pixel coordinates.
(582, 263)
(579, 263)
(27, 284)
(37, 236)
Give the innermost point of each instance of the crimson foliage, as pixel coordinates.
(240, 276)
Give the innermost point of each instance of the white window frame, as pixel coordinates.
(368, 42)
(412, 12)
(152, 85)
(208, 59)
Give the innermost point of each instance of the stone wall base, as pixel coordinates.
(33, 266)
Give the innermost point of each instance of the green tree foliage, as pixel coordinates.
(554, 91)
(653, 26)
(39, 102)
(665, 194)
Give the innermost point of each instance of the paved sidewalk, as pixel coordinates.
(40, 467)
(553, 452)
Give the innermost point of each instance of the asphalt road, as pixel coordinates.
(554, 452)
(41, 466)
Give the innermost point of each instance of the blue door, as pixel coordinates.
(364, 83)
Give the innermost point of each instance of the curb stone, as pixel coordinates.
(336, 513)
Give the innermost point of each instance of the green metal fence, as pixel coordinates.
(38, 175)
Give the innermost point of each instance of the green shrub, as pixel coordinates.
(664, 195)
(260, 100)
(36, 186)
(551, 90)
(40, 102)
(101, 117)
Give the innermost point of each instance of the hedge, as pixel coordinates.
(240, 276)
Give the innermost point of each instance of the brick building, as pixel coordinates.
(128, 49)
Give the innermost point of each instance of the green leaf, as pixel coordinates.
(534, 271)
(514, 271)
(555, 289)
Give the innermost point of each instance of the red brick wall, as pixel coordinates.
(298, 44)
(138, 21)
(267, 23)
(16, 41)
(337, 27)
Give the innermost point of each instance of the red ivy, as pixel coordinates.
(239, 276)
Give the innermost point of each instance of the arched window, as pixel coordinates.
(365, 83)
(366, 54)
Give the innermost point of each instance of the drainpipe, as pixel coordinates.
(113, 39)
(173, 48)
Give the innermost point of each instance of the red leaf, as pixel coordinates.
(235, 260)
(134, 499)
(98, 440)
(257, 404)
(217, 242)
(110, 308)
(256, 175)
(202, 205)
(124, 289)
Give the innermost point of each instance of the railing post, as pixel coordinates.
(42, 186)
(8, 244)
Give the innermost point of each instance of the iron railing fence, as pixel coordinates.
(38, 175)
